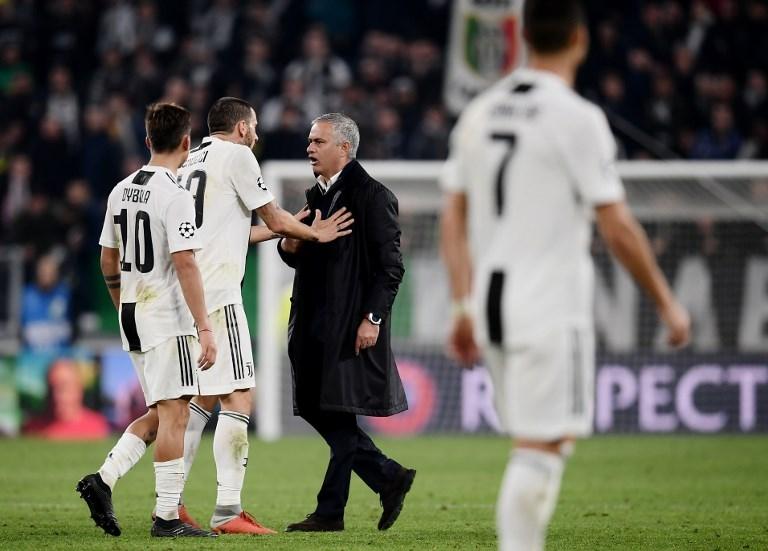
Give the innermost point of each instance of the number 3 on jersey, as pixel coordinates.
(142, 219)
(511, 141)
(197, 178)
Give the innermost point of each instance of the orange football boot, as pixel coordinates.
(186, 518)
(244, 523)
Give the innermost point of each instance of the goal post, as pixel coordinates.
(717, 272)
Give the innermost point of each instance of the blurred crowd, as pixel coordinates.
(682, 78)
(678, 78)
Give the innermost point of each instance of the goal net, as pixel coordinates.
(708, 225)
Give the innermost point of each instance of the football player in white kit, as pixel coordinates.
(148, 244)
(225, 179)
(226, 185)
(531, 165)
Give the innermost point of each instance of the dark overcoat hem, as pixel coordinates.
(359, 411)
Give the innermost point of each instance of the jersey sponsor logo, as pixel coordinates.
(186, 229)
(260, 183)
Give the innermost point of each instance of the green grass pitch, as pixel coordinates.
(620, 492)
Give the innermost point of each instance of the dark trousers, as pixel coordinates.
(351, 450)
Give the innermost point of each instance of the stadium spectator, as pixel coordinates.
(323, 74)
(293, 96)
(387, 140)
(101, 152)
(11, 65)
(52, 157)
(37, 229)
(17, 191)
(67, 417)
(257, 77)
(424, 65)
(721, 140)
(146, 82)
(151, 33)
(80, 216)
(110, 77)
(287, 141)
(430, 141)
(117, 28)
(63, 105)
(45, 309)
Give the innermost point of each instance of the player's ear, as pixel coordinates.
(580, 41)
(147, 143)
(186, 142)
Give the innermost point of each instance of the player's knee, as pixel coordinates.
(206, 402)
(145, 427)
(174, 414)
(239, 401)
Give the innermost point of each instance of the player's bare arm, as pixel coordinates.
(628, 242)
(260, 234)
(191, 283)
(110, 269)
(454, 248)
(321, 230)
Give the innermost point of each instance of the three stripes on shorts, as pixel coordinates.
(233, 332)
(185, 361)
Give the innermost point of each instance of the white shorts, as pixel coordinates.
(233, 369)
(169, 370)
(544, 389)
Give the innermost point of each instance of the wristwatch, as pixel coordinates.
(373, 318)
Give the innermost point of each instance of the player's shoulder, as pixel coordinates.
(583, 117)
(117, 190)
(241, 154)
(122, 183)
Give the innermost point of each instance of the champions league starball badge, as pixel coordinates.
(186, 229)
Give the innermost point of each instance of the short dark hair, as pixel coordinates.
(226, 112)
(549, 24)
(166, 124)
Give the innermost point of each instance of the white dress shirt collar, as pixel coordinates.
(326, 184)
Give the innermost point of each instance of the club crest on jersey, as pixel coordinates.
(186, 229)
(260, 183)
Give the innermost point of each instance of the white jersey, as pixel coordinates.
(226, 181)
(149, 217)
(534, 159)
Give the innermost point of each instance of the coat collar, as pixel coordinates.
(352, 174)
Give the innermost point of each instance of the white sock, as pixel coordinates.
(527, 499)
(230, 450)
(169, 483)
(198, 418)
(126, 453)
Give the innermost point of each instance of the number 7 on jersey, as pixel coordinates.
(511, 141)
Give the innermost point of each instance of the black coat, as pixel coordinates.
(336, 284)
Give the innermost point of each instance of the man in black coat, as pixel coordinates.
(339, 329)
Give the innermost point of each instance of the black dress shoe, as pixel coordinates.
(393, 495)
(316, 523)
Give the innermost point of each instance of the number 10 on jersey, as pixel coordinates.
(142, 232)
